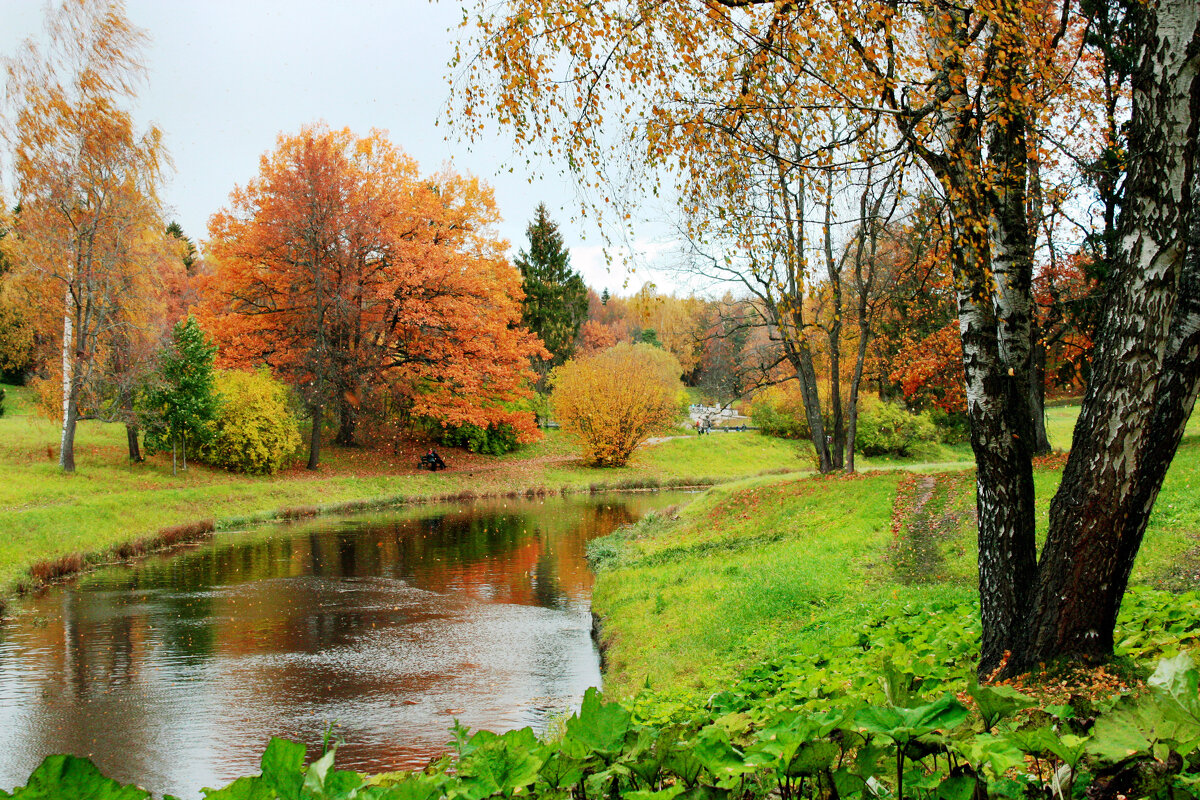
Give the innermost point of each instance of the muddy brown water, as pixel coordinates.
(174, 672)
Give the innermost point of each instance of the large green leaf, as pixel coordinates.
(246, 788)
(502, 764)
(61, 777)
(998, 754)
(600, 727)
(1143, 727)
(1175, 683)
(1067, 747)
(723, 761)
(997, 702)
(905, 724)
(282, 768)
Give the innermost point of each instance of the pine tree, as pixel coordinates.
(178, 412)
(555, 304)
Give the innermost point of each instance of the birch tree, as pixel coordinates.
(961, 87)
(86, 181)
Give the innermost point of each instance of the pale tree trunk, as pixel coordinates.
(1035, 199)
(994, 305)
(1144, 378)
(1007, 545)
(66, 453)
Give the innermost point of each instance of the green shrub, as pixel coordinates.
(2, 401)
(494, 440)
(888, 429)
(256, 431)
(779, 411)
(953, 426)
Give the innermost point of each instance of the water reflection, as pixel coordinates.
(176, 672)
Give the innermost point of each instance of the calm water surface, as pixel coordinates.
(175, 672)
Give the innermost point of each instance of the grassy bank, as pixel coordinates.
(52, 522)
(776, 567)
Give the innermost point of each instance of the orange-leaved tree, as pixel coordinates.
(615, 400)
(86, 184)
(345, 271)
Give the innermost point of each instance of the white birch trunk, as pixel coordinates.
(68, 374)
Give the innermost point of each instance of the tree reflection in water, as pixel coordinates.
(174, 672)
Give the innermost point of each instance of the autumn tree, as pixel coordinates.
(555, 302)
(960, 87)
(86, 183)
(346, 272)
(608, 413)
(16, 330)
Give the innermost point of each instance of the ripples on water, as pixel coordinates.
(176, 671)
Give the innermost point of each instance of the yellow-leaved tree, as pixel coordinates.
(614, 400)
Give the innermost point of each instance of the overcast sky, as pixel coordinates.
(227, 76)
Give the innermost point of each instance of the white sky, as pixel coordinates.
(227, 76)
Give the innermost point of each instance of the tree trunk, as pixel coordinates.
(994, 307)
(347, 434)
(1037, 394)
(855, 386)
(66, 452)
(838, 443)
(802, 361)
(131, 435)
(1144, 378)
(314, 438)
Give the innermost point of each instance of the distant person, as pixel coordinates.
(432, 461)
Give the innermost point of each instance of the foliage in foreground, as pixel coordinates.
(987, 741)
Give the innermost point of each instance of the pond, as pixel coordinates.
(175, 671)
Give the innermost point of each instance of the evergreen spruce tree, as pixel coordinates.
(555, 304)
(178, 411)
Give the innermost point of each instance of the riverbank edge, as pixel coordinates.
(137, 545)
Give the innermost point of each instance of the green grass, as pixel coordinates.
(773, 567)
(745, 571)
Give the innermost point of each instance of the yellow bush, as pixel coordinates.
(256, 431)
(616, 399)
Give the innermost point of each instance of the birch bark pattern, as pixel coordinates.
(1144, 378)
(66, 452)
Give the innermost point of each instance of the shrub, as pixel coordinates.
(779, 411)
(953, 426)
(494, 440)
(888, 429)
(256, 431)
(1, 401)
(611, 402)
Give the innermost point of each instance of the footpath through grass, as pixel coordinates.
(52, 522)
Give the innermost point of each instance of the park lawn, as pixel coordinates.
(46, 516)
(781, 567)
